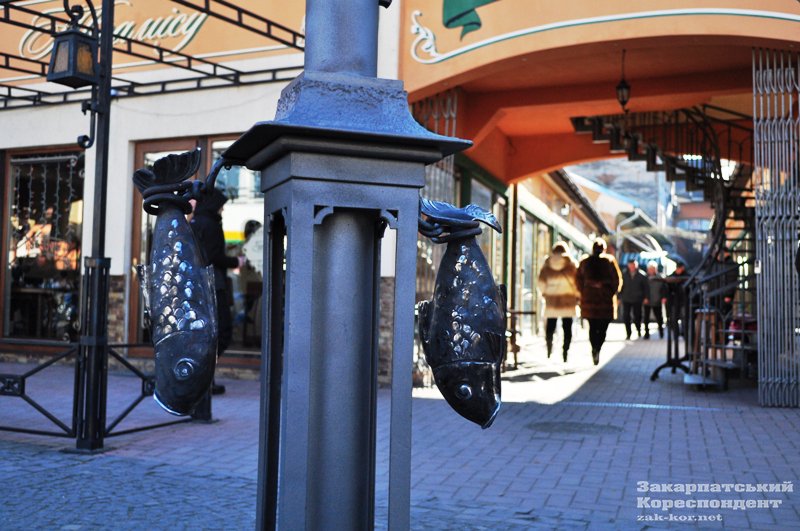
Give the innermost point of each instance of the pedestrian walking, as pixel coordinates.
(599, 280)
(633, 295)
(207, 227)
(558, 285)
(676, 300)
(656, 297)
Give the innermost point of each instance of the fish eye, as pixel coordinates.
(184, 369)
(464, 391)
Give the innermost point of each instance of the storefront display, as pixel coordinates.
(43, 246)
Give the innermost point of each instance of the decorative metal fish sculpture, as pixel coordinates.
(463, 327)
(178, 291)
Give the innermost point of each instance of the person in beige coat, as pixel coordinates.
(558, 286)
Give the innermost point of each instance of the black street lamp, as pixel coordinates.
(75, 63)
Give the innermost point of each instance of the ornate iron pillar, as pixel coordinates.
(342, 160)
(92, 370)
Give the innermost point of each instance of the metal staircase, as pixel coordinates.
(710, 149)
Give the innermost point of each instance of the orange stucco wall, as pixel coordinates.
(527, 68)
(435, 57)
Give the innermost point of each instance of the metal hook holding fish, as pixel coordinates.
(463, 326)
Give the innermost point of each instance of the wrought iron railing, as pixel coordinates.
(15, 386)
(695, 145)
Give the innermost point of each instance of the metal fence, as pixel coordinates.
(16, 386)
(776, 120)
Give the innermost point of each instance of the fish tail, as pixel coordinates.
(167, 181)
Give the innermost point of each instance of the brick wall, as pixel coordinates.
(116, 309)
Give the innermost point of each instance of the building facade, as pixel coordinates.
(532, 87)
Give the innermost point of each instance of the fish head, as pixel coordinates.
(184, 371)
(472, 388)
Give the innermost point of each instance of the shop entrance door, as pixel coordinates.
(242, 217)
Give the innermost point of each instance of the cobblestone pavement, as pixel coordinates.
(567, 451)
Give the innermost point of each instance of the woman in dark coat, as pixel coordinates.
(599, 280)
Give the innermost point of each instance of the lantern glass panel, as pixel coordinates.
(61, 62)
(85, 62)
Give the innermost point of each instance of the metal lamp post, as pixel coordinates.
(343, 160)
(72, 53)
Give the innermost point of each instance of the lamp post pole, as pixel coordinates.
(342, 160)
(91, 376)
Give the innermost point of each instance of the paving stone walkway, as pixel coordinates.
(568, 451)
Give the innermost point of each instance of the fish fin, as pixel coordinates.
(424, 320)
(171, 169)
(176, 168)
(447, 214)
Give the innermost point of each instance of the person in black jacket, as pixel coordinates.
(207, 227)
(676, 300)
(598, 280)
(634, 294)
(657, 296)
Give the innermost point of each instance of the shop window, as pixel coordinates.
(528, 276)
(237, 182)
(242, 216)
(441, 184)
(42, 280)
(490, 241)
(694, 224)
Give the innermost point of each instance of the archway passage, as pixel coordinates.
(520, 118)
(536, 90)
